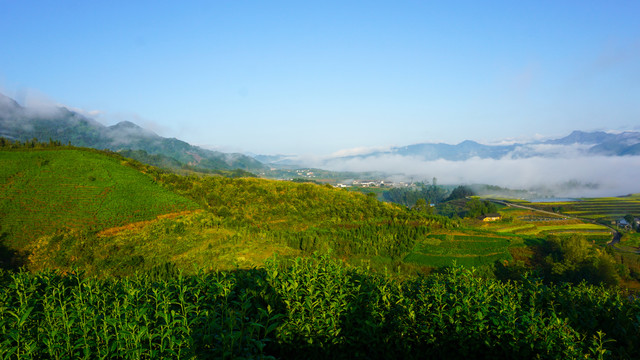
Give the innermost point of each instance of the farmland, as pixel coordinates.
(531, 223)
(462, 249)
(600, 209)
(310, 308)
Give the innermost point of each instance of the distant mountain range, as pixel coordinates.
(61, 124)
(22, 123)
(578, 143)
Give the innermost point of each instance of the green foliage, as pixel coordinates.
(476, 207)
(603, 210)
(166, 162)
(44, 191)
(422, 206)
(310, 308)
(572, 259)
(463, 250)
(278, 205)
(431, 194)
(460, 192)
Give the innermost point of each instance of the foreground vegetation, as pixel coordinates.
(310, 308)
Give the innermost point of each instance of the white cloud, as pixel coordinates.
(549, 150)
(613, 175)
(83, 112)
(359, 151)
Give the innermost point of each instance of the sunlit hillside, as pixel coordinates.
(46, 191)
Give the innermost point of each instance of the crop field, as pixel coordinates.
(314, 308)
(611, 208)
(532, 223)
(42, 192)
(568, 228)
(515, 228)
(464, 250)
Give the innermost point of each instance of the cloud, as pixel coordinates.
(86, 113)
(606, 176)
(359, 151)
(518, 140)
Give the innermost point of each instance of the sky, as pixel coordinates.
(318, 77)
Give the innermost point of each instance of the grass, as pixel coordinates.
(189, 241)
(569, 228)
(461, 249)
(531, 223)
(42, 192)
(515, 228)
(631, 239)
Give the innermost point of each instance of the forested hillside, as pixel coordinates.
(60, 124)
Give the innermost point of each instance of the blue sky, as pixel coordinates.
(306, 77)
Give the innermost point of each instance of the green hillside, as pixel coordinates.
(245, 222)
(67, 207)
(45, 191)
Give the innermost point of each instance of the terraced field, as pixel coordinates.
(606, 209)
(463, 249)
(532, 223)
(585, 229)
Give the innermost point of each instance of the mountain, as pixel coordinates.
(66, 126)
(581, 137)
(578, 142)
(462, 151)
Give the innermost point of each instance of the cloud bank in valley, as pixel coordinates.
(589, 175)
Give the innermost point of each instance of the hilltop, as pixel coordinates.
(67, 126)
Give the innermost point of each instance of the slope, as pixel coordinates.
(61, 124)
(45, 191)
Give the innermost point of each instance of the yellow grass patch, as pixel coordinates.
(139, 225)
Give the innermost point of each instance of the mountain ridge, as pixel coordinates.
(67, 126)
(576, 143)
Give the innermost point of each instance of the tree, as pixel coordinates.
(460, 192)
(573, 259)
(476, 208)
(422, 206)
(630, 220)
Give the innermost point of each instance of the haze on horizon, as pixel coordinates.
(320, 77)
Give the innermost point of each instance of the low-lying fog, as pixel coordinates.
(568, 176)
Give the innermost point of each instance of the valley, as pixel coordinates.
(282, 267)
